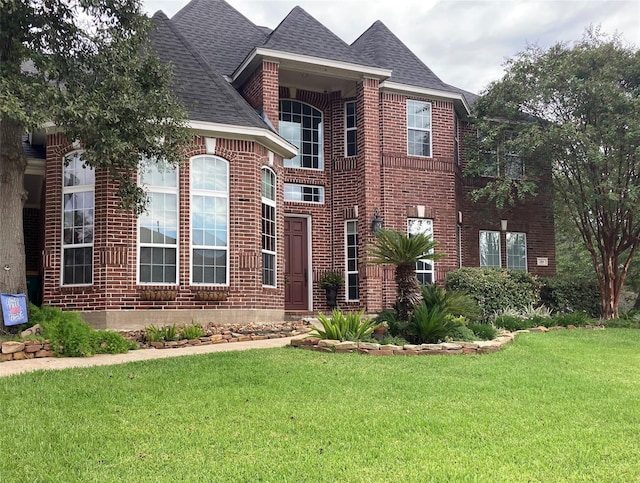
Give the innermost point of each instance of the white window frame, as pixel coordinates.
(422, 129)
(71, 190)
(297, 161)
(493, 233)
(269, 201)
(351, 228)
(511, 256)
(298, 195)
(424, 226)
(456, 139)
(348, 129)
(170, 190)
(207, 193)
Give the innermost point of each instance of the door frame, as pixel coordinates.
(309, 257)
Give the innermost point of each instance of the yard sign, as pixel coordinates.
(14, 308)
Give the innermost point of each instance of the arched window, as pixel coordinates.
(158, 226)
(77, 223)
(268, 227)
(209, 220)
(301, 125)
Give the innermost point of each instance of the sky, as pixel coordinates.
(464, 42)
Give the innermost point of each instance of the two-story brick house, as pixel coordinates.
(299, 141)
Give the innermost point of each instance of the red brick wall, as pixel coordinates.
(115, 251)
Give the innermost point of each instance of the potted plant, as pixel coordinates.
(331, 282)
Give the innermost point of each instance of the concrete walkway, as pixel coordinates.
(50, 363)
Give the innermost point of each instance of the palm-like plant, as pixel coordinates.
(403, 251)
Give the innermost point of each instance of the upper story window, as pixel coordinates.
(158, 226)
(424, 267)
(490, 249)
(503, 160)
(77, 221)
(517, 251)
(350, 129)
(301, 125)
(418, 128)
(209, 220)
(268, 227)
(303, 193)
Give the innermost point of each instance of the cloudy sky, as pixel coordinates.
(465, 42)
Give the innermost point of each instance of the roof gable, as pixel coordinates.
(221, 34)
(300, 33)
(205, 95)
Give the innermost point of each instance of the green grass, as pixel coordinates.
(561, 406)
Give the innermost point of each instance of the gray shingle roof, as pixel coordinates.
(221, 34)
(205, 94)
(380, 45)
(300, 33)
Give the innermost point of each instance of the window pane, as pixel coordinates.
(301, 125)
(517, 251)
(352, 276)
(78, 266)
(490, 249)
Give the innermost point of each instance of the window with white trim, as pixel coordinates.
(158, 226)
(209, 220)
(503, 160)
(352, 290)
(350, 129)
(418, 128)
(425, 267)
(268, 227)
(77, 221)
(456, 139)
(517, 251)
(303, 193)
(301, 125)
(490, 249)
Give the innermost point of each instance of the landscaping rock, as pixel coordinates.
(328, 343)
(369, 346)
(35, 330)
(539, 329)
(391, 347)
(346, 345)
(11, 347)
(450, 346)
(412, 347)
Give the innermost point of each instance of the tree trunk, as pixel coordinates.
(13, 163)
(610, 287)
(408, 289)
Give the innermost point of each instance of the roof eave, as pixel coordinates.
(317, 64)
(267, 138)
(426, 92)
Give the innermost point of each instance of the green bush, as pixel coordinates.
(428, 324)
(70, 336)
(450, 301)
(353, 327)
(495, 289)
(577, 319)
(192, 331)
(395, 325)
(459, 331)
(109, 342)
(512, 322)
(165, 333)
(626, 320)
(484, 331)
(571, 294)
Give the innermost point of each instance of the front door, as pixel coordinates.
(296, 264)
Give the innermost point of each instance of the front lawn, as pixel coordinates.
(560, 406)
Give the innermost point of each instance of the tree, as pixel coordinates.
(404, 252)
(86, 67)
(575, 109)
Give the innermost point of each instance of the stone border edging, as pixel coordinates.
(444, 348)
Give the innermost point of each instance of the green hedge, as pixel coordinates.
(572, 294)
(495, 289)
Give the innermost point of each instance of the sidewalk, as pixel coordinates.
(50, 363)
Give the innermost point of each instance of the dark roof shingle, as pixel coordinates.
(205, 94)
(300, 33)
(221, 34)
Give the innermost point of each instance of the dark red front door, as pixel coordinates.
(295, 260)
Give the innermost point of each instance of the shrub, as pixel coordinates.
(512, 322)
(163, 334)
(109, 342)
(192, 331)
(626, 320)
(572, 294)
(573, 318)
(450, 301)
(395, 325)
(495, 288)
(458, 330)
(428, 324)
(69, 335)
(484, 331)
(353, 327)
